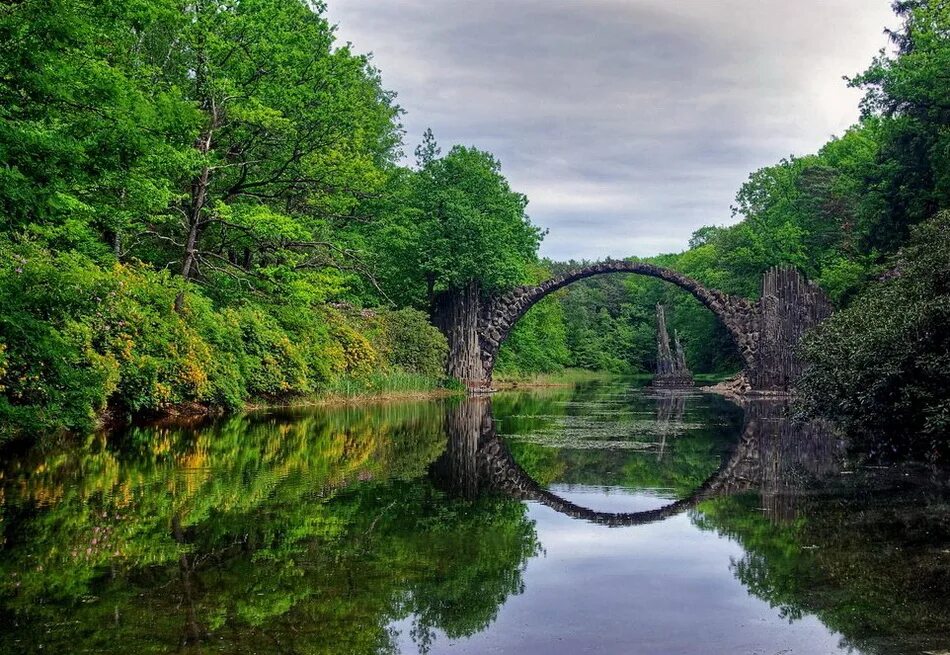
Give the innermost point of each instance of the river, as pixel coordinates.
(601, 518)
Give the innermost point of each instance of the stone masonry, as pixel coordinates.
(765, 331)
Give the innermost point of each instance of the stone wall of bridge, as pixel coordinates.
(789, 306)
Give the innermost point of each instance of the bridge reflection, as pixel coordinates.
(775, 455)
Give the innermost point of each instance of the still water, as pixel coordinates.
(597, 519)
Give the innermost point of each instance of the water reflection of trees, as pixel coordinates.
(865, 554)
(314, 532)
(268, 533)
(667, 442)
(864, 551)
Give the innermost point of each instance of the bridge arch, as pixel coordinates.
(476, 459)
(765, 331)
(738, 315)
(773, 454)
(504, 474)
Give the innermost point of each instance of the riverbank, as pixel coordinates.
(379, 388)
(383, 388)
(359, 398)
(376, 387)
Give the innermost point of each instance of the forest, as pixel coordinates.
(211, 203)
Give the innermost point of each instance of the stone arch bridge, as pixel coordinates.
(765, 331)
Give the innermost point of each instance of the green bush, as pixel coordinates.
(405, 339)
(52, 372)
(76, 337)
(882, 365)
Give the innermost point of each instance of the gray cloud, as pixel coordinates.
(628, 123)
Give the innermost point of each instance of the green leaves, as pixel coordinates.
(881, 366)
(84, 128)
(454, 221)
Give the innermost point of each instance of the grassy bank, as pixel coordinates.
(383, 386)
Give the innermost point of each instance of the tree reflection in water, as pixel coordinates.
(275, 533)
(320, 531)
(863, 550)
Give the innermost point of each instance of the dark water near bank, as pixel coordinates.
(600, 519)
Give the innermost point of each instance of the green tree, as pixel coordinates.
(911, 176)
(91, 139)
(454, 222)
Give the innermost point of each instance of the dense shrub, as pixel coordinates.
(407, 340)
(52, 372)
(882, 366)
(76, 337)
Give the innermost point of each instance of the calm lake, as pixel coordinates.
(603, 518)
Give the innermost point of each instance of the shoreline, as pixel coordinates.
(109, 420)
(114, 420)
(342, 400)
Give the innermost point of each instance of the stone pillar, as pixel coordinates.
(790, 306)
(457, 314)
(671, 371)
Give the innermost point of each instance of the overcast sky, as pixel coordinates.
(628, 123)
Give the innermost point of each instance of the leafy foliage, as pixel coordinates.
(882, 366)
(453, 221)
(77, 336)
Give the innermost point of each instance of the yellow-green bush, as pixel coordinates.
(163, 360)
(76, 337)
(352, 353)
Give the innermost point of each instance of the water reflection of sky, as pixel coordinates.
(664, 588)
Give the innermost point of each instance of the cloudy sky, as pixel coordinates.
(628, 123)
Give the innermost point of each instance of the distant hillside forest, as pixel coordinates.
(206, 203)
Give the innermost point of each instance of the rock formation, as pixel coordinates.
(671, 370)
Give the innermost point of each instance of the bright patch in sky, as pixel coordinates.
(628, 123)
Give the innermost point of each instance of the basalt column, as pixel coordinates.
(790, 305)
(456, 314)
(671, 371)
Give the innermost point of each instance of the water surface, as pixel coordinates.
(597, 519)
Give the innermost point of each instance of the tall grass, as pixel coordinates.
(389, 383)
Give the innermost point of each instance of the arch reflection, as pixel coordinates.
(773, 454)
